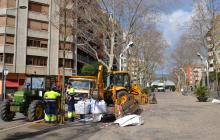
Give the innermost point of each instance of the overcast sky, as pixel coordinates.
(173, 23)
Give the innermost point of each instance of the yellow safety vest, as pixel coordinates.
(51, 95)
(70, 91)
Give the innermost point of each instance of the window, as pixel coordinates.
(44, 26)
(120, 79)
(35, 7)
(69, 29)
(1, 57)
(3, 3)
(7, 3)
(9, 58)
(68, 46)
(38, 7)
(11, 3)
(2, 21)
(37, 42)
(68, 63)
(2, 39)
(10, 21)
(9, 39)
(36, 60)
(43, 45)
(37, 25)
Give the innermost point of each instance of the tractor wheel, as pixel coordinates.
(5, 113)
(122, 96)
(35, 110)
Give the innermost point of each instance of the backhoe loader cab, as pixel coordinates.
(120, 79)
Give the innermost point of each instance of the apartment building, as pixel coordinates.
(30, 41)
(195, 74)
(213, 39)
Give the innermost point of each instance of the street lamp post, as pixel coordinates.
(130, 44)
(205, 62)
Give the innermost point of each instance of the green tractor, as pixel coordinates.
(29, 102)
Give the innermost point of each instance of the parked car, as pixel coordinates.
(161, 87)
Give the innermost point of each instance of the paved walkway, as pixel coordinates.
(175, 117)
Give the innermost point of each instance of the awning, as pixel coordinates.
(12, 84)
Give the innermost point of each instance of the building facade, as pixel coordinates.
(30, 42)
(213, 43)
(197, 74)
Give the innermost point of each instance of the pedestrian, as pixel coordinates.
(51, 98)
(70, 101)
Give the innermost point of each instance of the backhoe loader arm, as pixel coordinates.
(100, 83)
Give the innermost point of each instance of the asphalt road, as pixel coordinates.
(175, 117)
(18, 120)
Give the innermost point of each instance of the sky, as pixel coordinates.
(172, 25)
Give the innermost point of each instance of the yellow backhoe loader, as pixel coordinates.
(119, 93)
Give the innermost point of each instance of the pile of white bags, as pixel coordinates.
(90, 106)
(82, 107)
(98, 107)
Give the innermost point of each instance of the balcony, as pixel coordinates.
(5, 11)
(9, 66)
(36, 51)
(37, 16)
(38, 33)
(8, 48)
(68, 55)
(8, 30)
(68, 71)
(68, 39)
(39, 70)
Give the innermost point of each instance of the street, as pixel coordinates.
(174, 117)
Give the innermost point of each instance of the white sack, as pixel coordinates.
(216, 101)
(82, 107)
(98, 107)
(129, 120)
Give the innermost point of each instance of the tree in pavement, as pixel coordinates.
(185, 54)
(148, 53)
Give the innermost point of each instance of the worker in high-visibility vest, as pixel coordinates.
(70, 101)
(50, 98)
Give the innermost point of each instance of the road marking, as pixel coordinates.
(29, 123)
